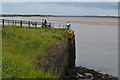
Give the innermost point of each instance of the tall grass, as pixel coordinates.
(0, 52)
(23, 47)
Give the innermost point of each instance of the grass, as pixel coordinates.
(0, 52)
(22, 48)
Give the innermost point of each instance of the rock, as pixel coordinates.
(79, 75)
(88, 75)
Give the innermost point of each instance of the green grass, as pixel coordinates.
(0, 52)
(22, 48)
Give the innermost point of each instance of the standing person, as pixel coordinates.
(45, 23)
(68, 25)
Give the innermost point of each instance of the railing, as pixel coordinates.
(30, 24)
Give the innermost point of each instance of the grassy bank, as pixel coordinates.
(24, 47)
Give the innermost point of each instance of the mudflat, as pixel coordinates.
(88, 20)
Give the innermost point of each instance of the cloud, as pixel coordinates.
(55, 8)
(105, 5)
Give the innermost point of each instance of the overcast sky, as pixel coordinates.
(60, 8)
(60, 0)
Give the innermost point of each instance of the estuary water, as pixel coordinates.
(97, 47)
(96, 41)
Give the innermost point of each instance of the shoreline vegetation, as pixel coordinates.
(20, 15)
(24, 47)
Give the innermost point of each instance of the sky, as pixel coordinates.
(60, 0)
(60, 8)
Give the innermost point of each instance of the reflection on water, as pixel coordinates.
(96, 45)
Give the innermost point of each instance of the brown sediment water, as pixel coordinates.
(81, 20)
(90, 22)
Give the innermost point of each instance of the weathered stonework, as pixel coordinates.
(60, 58)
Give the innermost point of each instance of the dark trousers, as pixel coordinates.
(68, 27)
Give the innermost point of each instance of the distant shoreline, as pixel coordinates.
(82, 19)
(19, 15)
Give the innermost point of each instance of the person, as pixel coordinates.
(45, 23)
(68, 25)
(49, 25)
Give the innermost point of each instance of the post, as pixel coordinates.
(53, 25)
(21, 23)
(72, 53)
(2, 22)
(35, 24)
(8, 22)
(13, 22)
(29, 24)
(59, 25)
